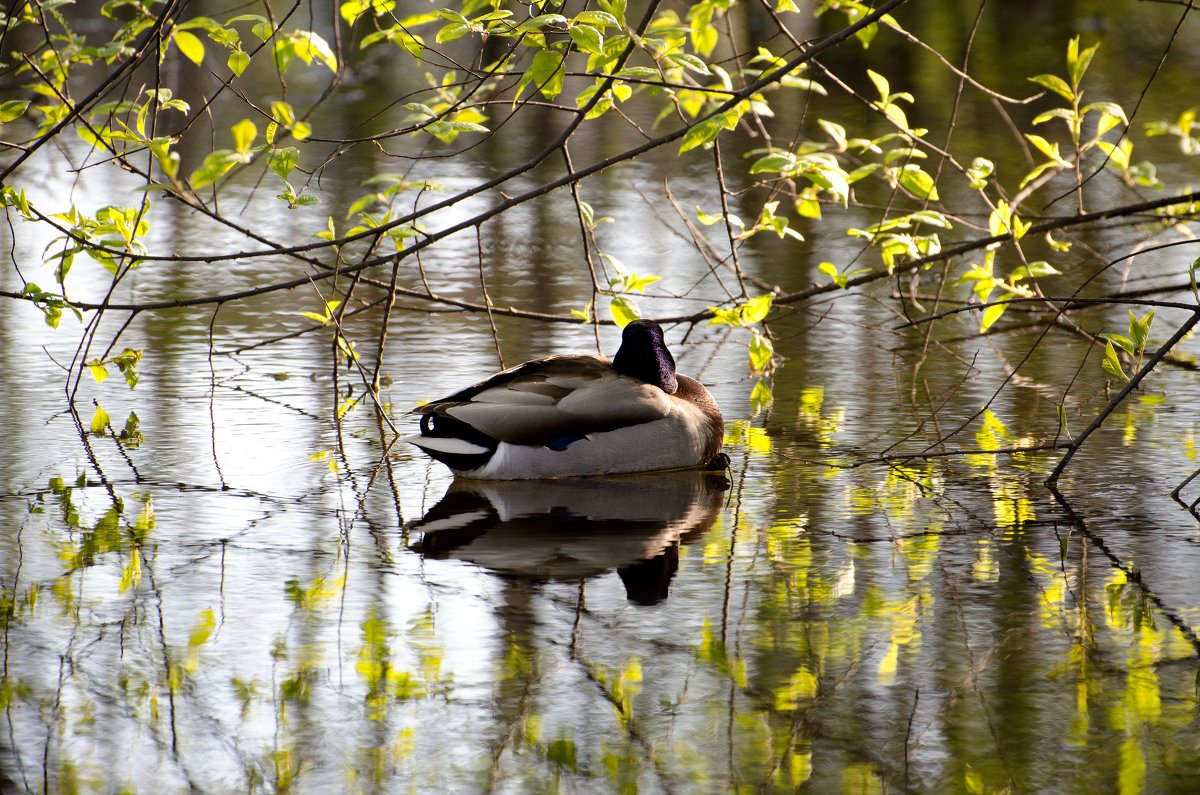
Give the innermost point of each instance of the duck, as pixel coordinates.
(576, 415)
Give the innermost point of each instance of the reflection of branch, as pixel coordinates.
(1015, 450)
(1191, 508)
(1132, 573)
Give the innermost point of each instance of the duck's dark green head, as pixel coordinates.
(644, 355)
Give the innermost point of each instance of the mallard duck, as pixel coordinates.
(572, 415)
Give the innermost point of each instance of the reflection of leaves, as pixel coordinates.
(562, 753)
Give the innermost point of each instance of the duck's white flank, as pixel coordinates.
(566, 416)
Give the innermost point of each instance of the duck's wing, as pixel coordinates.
(553, 399)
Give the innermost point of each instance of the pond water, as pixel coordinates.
(265, 592)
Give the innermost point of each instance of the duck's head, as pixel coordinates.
(644, 355)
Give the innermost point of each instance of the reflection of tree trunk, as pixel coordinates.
(515, 685)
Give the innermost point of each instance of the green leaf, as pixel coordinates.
(190, 46)
(1078, 62)
(1124, 343)
(1055, 84)
(918, 182)
(99, 421)
(1115, 154)
(1108, 109)
(283, 113)
(1139, 330)
(756, 309)
(13, 109)
(1033, 270)
(1050, 150)
(237, 62)
(689, 61)
(761, 351)
(881, 84)
(587, 38)
(774, 162)
(700, 134)
(623, 310)
(310, 46)
(284, 160)
(98, 371)
(244, 133)
(354, 9)
(213, 167)
(1112, 364)
(547, 72)
(1066, 114)
(991, 315)
(585, 314)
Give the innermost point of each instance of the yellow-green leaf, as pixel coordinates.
(918, 182)
(1055, 84)
(244, 133)
(99, 421)
(1112, 364)
(237, 62)
(13, 109)
(761, 351)
(98, 371)
(190, 46)
(991, 315)
(699, 135)
(756, 309)
(623, 310)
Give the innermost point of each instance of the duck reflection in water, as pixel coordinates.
(577, 528)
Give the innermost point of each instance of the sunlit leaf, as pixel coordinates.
(284, 160)
(12, 109)
(1050, 150)
(1066, 114)
(1033, 270)
(587, 38)
(1115, 154)
(918, 182)
(547, 72)
(237, 62)
(699, 135)
(214, 166)
(1112, 364)
(623, 310)
(1055, 84)
(774, 162)
(1078, 62)
(244, 133)
(761, 351)
(189, 45)
(881, 84)
(1139, 330)
(99, 421)
(1122, 342)
(991, 315)
(310, 46)
(756, 309)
